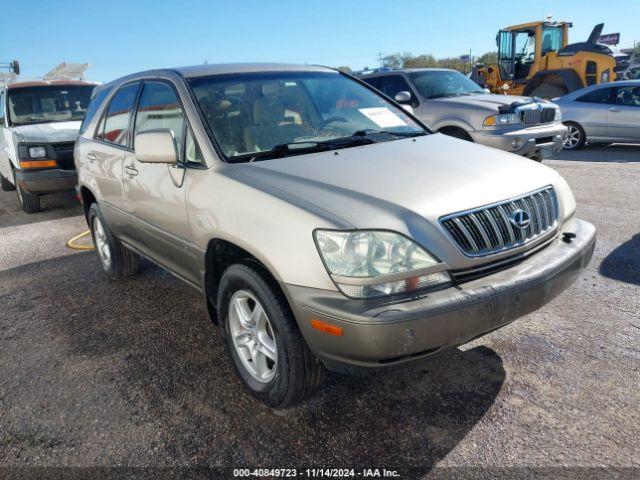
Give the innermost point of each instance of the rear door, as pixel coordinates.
(156, 193)
(623, 116)
(104, 158)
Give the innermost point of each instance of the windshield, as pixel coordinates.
(48, 103)
(259, 112)
(443, 83)
(551, 39)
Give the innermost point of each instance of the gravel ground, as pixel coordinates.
(97, 373)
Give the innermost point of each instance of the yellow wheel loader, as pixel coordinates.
(535, 59)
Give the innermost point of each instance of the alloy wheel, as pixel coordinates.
(102, 244)
(252, 336)
(573, 137)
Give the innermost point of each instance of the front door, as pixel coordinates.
(156, 193)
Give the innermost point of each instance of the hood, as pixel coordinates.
(394, 184)
(48, 132)
(403, 186)
(487, 101)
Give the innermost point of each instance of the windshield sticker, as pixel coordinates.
(383, 117)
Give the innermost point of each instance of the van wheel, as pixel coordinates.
(117, 260)
(30, 202)
(6, 185)
(575, 138)
(262, 336)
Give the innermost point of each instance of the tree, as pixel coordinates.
(489, 58)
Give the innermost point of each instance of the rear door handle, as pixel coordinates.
(131, 170)
(614, 109)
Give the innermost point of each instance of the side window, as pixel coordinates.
(392, 84)
(372, 81)
(98, 97)
(192, 153)
(628, 96)
(114, 127)
(159, 108)
(601, 95)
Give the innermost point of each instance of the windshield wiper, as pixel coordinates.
(359, 137)
(450, 94)
(365, 133)
(285, 149)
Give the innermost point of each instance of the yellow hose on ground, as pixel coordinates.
(71, 244)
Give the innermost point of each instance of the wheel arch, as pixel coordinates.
(220, 255)
(87, 197)
(566, 77)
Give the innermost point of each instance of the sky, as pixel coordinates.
(120, 37)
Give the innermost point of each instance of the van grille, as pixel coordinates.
(63, 153)
(486, 230)
(534, 116)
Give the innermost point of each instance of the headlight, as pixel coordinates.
(37, 152)
(368, 263)
(558, 115)
(604, 77)
(503, 119)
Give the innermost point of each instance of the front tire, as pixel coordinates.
(575, 138)
(117, 260)
(266, 347)
(6, 185)
(30, 202)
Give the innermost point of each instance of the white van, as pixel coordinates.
(39, 124)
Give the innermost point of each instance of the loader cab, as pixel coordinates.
(522, 47)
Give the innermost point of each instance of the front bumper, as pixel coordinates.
(381, 333)
(533, 142)
(46, 181)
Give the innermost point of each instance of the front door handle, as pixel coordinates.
(131, 170)
(92, 156)
(614, 109)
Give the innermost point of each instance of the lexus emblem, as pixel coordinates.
(520, 219)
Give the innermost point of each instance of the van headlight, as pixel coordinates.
(37, 152)
(502, 119)
(373, 263)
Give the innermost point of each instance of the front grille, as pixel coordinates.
(63, 153)
(490, 229)
(535, 116)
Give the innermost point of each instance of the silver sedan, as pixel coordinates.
(605, 113)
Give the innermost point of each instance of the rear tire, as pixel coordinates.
(245, 294)
(549, 90)
(6, 185)
(117, 260)
(575, 138)
(30, 202)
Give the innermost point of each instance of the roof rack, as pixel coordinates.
(67, 71)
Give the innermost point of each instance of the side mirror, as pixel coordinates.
(403, 97)
(156, 146)
(486, 90)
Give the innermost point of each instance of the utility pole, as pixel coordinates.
(380, 59)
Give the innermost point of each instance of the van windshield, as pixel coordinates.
(295, 112)
(43, 104)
